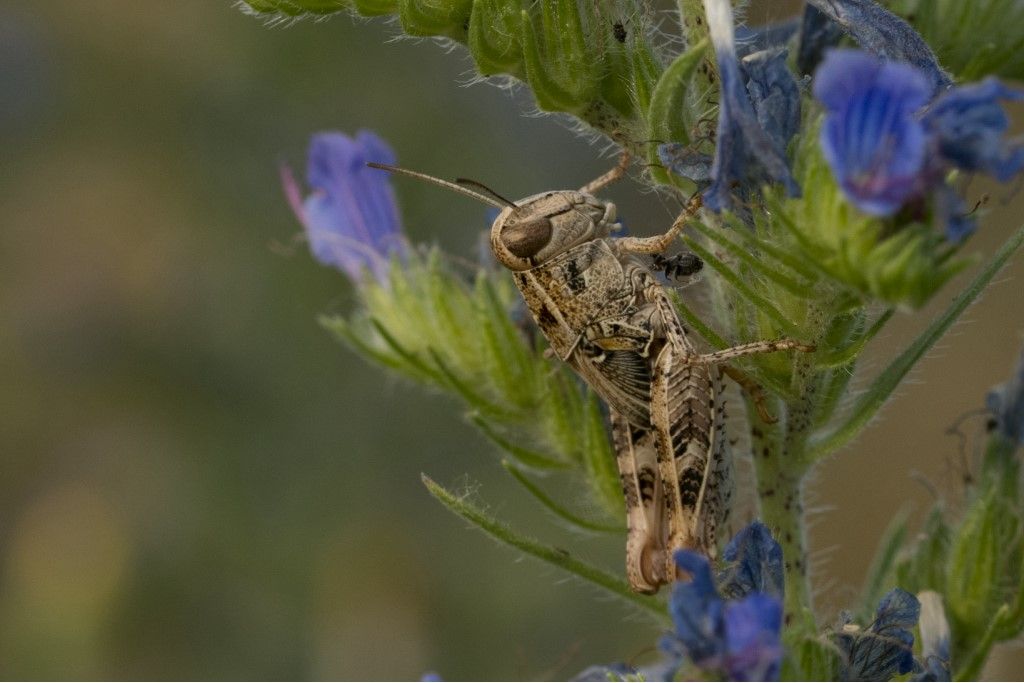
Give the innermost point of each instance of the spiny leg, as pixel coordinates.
(679, 526)
(750, 385)
(753, 348)
(637, 460)
(594, 186)
(659, 243)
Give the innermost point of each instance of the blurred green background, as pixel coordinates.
(196, 481)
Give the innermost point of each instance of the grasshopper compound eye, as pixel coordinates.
(527, 237)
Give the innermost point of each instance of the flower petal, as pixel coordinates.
(696, 609)
(935, 637)
(970, 125)
(753, 628)
(1006, 403)
(886, 35)
(757, 564)
(351, 217)
(871, 138)
(885, 648)
(743, 150)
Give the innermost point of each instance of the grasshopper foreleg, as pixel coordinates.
(659, 243)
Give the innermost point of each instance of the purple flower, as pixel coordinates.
(969, 126)
(757, 111)
(754, 564)
(885, 35)
(886, 647)
(736, 638)
(351, 217)
(871, 137)
(889, 144)
(1006, 404)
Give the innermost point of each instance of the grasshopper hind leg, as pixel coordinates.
(647, 558)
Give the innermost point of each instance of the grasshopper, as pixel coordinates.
(605, 314)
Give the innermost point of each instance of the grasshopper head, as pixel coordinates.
(538, 228)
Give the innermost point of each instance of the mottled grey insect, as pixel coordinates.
(604, 313)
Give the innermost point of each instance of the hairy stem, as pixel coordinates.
(779, 476)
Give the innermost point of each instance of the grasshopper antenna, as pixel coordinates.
(486, 190)
(496, 200)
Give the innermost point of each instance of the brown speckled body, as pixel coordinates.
(603, 312)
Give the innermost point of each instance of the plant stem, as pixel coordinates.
(779, 488)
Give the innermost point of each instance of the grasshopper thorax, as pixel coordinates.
(538, 228)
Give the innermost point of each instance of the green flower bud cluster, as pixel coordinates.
(862, 257)
(430, 324)
(976, 562)
(996, 46)
(595, 60)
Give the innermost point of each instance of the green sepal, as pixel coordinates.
(646, 72)
(881, 574)
(499, 531)
(810, 658)
(564, 73)
(599, 459)
(740, 284)
(495, 39)
(376, 8)
(873, 259)
(573, 520)
(976, 565)
(524, 456)
(670, 116)
(448, 18)
(924, 566)
(295, 8)
(995, 45)
(885, 383)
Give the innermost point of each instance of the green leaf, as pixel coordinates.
(557, 557)
(523, 456)
(573, 520)
(599, 458)
(742, 287)
(975, 661)
(563, 71)
(881, 575)
(925, 567)
(667, 113)
(886, 382)
(495, 37)
(448, 18)
(757, 263)
(810, 659)
(294, 8)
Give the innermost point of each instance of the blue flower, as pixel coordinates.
(351, 217)
(890, 145)
(871, 137)
(886, 35)
(739, 639)
(885, 648)
(935, 651)
(755, 564)
(969, 126)
(756, 110)
(1006, 404)
(610, 672)
(817, 33)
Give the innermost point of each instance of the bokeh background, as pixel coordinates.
(197, 482)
